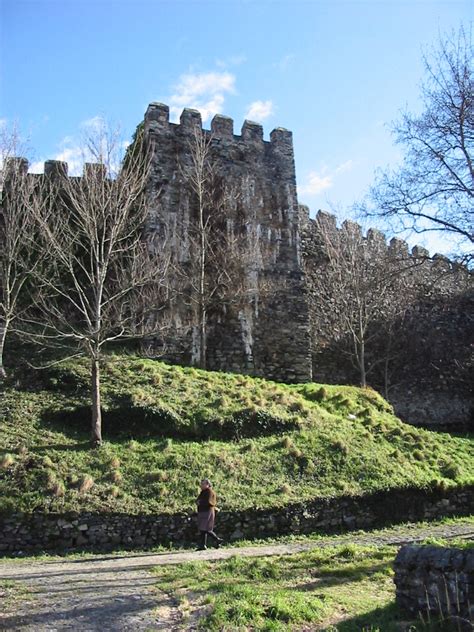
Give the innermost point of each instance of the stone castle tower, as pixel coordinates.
(276, 325)
(267, 334)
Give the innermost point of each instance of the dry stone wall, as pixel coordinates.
(433, 580)
(32, 532)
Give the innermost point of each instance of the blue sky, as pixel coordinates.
(335, 72)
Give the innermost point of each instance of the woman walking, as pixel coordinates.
(206, 516)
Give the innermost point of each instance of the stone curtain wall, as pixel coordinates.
(265, 334)
(33, 532)
(430, 371)
(435, 580)
(280, 332)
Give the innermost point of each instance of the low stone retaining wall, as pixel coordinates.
(45, 531)
(435, 580)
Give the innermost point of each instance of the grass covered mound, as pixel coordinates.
(264, 444)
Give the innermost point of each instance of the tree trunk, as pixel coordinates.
(96, 435)
(202, 286)
(363, 376)
(203, 338)
(3, 335)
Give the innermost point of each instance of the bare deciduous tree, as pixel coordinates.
(224, 252)
(433, 190)
(104, 282)
(362, 287)
(17, 262)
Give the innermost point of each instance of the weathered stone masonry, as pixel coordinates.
(436, 580)
(39, 531)
(275, 333)
(278, 338)
(263, 337)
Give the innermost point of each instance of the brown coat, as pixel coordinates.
(206, 503)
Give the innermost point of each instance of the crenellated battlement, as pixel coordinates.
(56, 170)
(157, 122)
(279, 325)
(374, 237)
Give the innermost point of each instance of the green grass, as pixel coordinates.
(11, 594)
(346, 588)
(402, 530)
(264, 444)
(281, 593)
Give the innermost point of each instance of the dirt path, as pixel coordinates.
(119, 593)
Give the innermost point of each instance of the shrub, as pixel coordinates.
(249, 447)
(116, 477)
(158, 475)
(74, 480)
(348, 551)
(340, 446)
(7, 461)
(450, 470)
(314, 394)
(296, 407)
(51, 479)
(248, 422)
(295, 453)
(86, 483)
(308, 465)
(57, 489)
(287, 443)
(115, 463)
(440, 485)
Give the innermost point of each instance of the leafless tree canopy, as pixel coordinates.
(17, 262)
(361, 286)
(434, 188)
(224, 254)
(102, 280)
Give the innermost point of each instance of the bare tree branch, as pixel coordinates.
(103, 281)
(434, 187)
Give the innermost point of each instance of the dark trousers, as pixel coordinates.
(203, 539)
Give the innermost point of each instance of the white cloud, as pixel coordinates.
(205, 92)
(74, 156)
(259, 110)
(344, 167)
(233, 60)
(318, 181)
(94, 139)
(285, 62)
(94, 124)
(315, 183)
(36, 167)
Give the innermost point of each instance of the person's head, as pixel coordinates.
(205, 483)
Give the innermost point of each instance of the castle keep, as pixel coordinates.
(266, 309)
(267, 332)
(275, 329)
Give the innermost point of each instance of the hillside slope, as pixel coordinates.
(264, 444)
